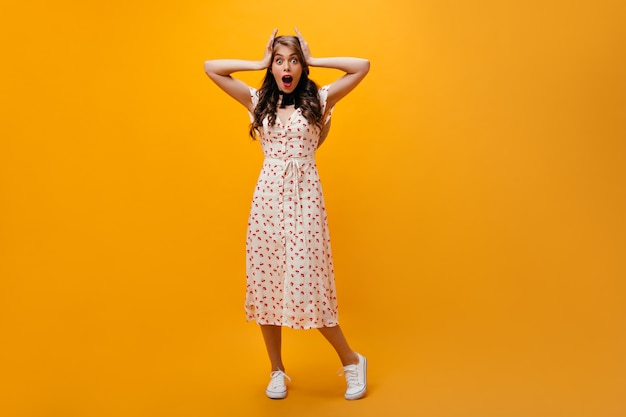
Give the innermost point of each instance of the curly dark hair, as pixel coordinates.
(305, 94)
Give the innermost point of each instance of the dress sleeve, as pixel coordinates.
(323, 92)
(254, 96)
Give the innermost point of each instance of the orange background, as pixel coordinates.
(475, 189)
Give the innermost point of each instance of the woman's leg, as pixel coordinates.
(336, 338)
(276, 389)
(354, 365)
(272, 336)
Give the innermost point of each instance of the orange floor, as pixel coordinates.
(418, 371)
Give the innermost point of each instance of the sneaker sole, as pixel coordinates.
(276, 395)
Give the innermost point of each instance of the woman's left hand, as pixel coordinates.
(305, 47)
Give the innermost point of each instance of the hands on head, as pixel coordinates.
(267, 57)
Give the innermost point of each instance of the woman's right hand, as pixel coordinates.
(269, 49)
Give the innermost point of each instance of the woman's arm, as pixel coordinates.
(355, 70)
(220, 70)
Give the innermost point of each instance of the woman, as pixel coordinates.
(290, 279)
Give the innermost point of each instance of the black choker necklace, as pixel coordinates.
(287, 100)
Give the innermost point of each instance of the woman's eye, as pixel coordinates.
(279, 61)
(294, 61)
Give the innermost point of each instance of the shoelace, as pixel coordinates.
(278, 379)
(351, 374)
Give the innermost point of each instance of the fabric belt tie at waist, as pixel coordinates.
(292, 166)
(298, 160)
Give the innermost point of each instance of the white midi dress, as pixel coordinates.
(289, 266)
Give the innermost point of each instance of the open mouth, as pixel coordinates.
(287, 80)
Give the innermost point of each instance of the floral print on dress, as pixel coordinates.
(289, 267)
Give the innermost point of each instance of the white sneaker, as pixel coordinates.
(356, 378)
(277, 389)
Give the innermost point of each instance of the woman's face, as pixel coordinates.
(286, 68)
